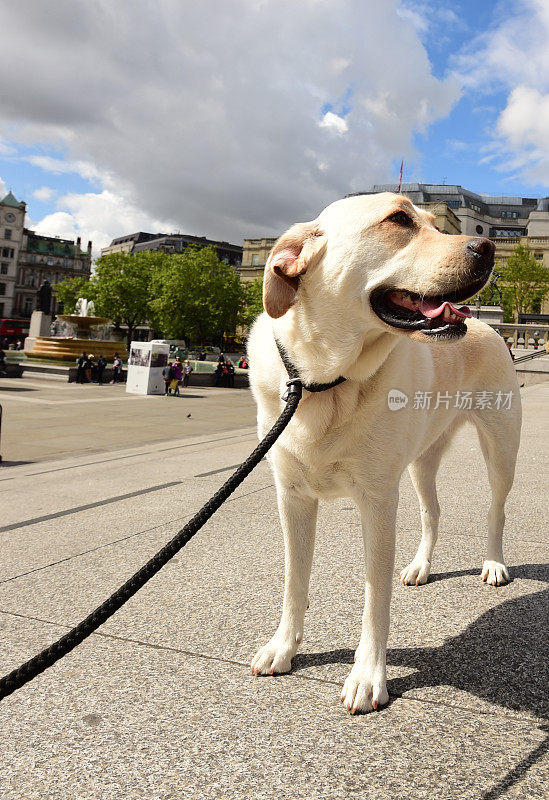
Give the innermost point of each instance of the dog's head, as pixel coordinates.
(380, 259)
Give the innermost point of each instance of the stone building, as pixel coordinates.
(12, 221)
(28, 258)
(51, 258)
(254, 257)
(173, 243)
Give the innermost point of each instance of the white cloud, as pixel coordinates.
(3, 189)
(6, 149)
(513, 56)
(59, 166)
(214, 121)
(430, 16)
(44, 193)
(98, 217)
(334, 123)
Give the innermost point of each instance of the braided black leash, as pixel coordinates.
(30, 669)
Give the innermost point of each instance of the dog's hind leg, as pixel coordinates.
(298, 517)
(423, 472)
(499, 436)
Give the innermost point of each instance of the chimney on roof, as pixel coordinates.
(78, 241)
(89, 246)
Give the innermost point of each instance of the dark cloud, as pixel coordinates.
(206, 114)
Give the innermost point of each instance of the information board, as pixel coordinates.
(145, 365)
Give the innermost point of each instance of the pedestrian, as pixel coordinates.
(167, 374)
(116, 368)
(88, 366)
(19, 345)
(187, 369)
(3, 370)
(80, 368)
(101, 364)
(219, 370)
(177, 375)
(202, 355)
(230, 374)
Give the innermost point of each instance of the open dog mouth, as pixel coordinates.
(435, 315)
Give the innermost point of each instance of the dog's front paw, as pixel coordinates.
(274, 658)
(494, 573)
(364, 691)
(416, 572)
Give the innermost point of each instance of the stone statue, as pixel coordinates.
(43, 298)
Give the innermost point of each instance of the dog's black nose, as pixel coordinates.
(481, 247)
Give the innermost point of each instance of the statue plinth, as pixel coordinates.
(40, 325)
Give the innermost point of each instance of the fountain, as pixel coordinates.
(74, 334)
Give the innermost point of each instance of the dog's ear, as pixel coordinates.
(297, 251)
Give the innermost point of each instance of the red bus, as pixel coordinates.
(13, 329)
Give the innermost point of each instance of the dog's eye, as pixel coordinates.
(400, 218)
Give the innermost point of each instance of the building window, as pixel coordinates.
(479, 229)
(1, 309)
(538, 256)
(28, 305)
(7, 252)
(255, 259)
(453, 203)
(509, 215)
(65, 262)
(3, 268)
(475, 208)
(32, 259)
(7, 233)
(2, 288)
(507, 233)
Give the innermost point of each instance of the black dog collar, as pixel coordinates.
(294, 375)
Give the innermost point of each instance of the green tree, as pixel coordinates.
(195, 295)
(121, 287)
(68, 291)
(252, 302)
(523, 282)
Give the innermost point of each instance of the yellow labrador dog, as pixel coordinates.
(370, 292)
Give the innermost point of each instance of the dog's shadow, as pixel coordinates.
(502, 657)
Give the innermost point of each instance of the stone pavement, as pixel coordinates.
(160, 703)
(45, 418)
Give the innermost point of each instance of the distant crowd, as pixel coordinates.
(178, 373)
(88, 370)
(7, 345)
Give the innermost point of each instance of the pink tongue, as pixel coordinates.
(427, 308)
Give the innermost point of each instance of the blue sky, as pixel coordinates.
(453, 148)
(263, 114)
